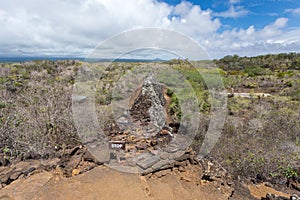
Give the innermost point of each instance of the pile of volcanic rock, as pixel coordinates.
(148, 107)
(71, 162)
(152, 140)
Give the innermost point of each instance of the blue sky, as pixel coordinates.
(76, 27)
(259, 12)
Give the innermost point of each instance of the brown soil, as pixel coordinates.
(107, 184)
(260, 191)
(77, 176)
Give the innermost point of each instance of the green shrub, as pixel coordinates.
(169, 92)
(255, 71)
(289, 172)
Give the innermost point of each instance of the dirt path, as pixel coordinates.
(260, 191)
(107, 184)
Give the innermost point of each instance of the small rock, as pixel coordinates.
(241, 192)
(163, 155)
(146, 171)
(147, 160)
(181, 169)
(101, 152)
(4, 162)
(295, 197)
(171, 149)
(79, 99)
(162, 165)
(29, 171)
(296, 186)
(73, 151)
(163, 173)
(87, 156)
(141, 146)
(131, 162)
(122, 120)
(74, 162)
(15, 175)
(21, 166)
(175, 155)
(275, 197)
(51, 163)
(181, 163)
(75, 172)
(4, 178)
(230, 183)
(268, 184)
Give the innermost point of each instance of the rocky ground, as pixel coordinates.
(77, 175)
(165, 167)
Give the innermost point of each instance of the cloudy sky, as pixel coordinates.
(76, 27)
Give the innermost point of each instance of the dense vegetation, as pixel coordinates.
(261, 135)
(283, 61)
(35, 103)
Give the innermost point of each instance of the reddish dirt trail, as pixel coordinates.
(107, 184)
(260, 191)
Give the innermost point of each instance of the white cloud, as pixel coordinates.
(274, 29)
(233, 12)
(75, 24)
(193, 21)
(251, 41)
(71, 25)
(294, 11)
(280, 22)
(75, 27)
(234, 1)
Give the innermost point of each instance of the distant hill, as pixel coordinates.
(273, 61)
(25, 59)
